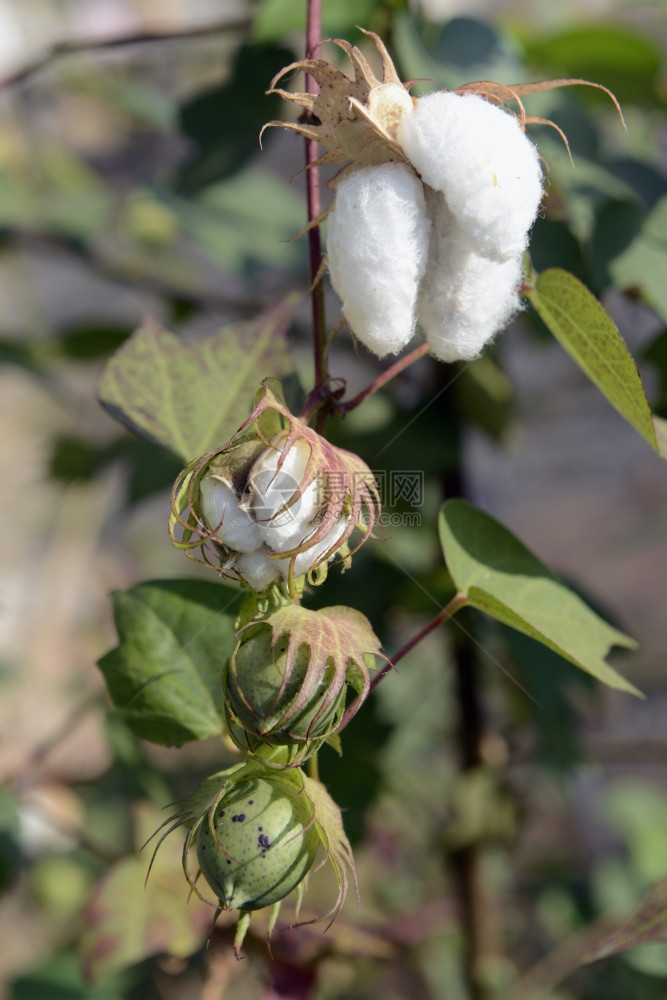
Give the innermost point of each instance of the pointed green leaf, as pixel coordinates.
(164, 677)
(498, 575)
(583, 328)
(190, 396)
(647, 925)
(128, 918)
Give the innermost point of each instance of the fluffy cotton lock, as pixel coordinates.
(231, 524)
(481, 160)
(465, 299)
(377, 246)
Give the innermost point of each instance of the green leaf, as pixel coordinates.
(128, 918)
(583, 328)
(647, 925)
(497, 574)
(164, 677)
(190, 396)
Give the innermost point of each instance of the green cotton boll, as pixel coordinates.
(263, 691)
(258, 842)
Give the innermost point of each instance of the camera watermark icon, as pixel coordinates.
(277, 498)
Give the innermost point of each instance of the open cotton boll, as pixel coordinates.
(479, 157)
(258, 568)
(377, 245)
(230, 523)
(465, 299)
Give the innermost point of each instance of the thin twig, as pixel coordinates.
(540, 981)
(313, 39)
(80, 47)
(456, 603)
(386, 376)
(28, 772)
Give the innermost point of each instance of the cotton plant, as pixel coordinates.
(433, 207)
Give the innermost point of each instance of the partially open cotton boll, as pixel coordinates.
(465, 299)
(377, 244)
(479, 157)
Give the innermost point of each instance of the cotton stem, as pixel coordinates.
(386, 376)
(456, 603)
(313, 39)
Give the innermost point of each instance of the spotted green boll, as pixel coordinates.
(257, 842)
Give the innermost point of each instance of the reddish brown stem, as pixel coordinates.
(456, 603)
(386, 376)
(313, 39)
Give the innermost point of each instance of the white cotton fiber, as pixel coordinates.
(377, 243)
(258, 568)
(283, 527)
(465, 299)
(478, 156)
(311, 556)
(230, 523)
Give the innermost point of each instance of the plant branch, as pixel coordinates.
(80, 47)
(457, 602)
(386, 376)
(313, 39)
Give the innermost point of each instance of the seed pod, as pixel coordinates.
(257, 842)
(278, 502)
(256, 833)
(287, 681)
(259, 698)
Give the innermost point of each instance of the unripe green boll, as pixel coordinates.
(287, 682)
(257, 842)
(263, 691)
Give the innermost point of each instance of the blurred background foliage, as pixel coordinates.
(131, 184)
